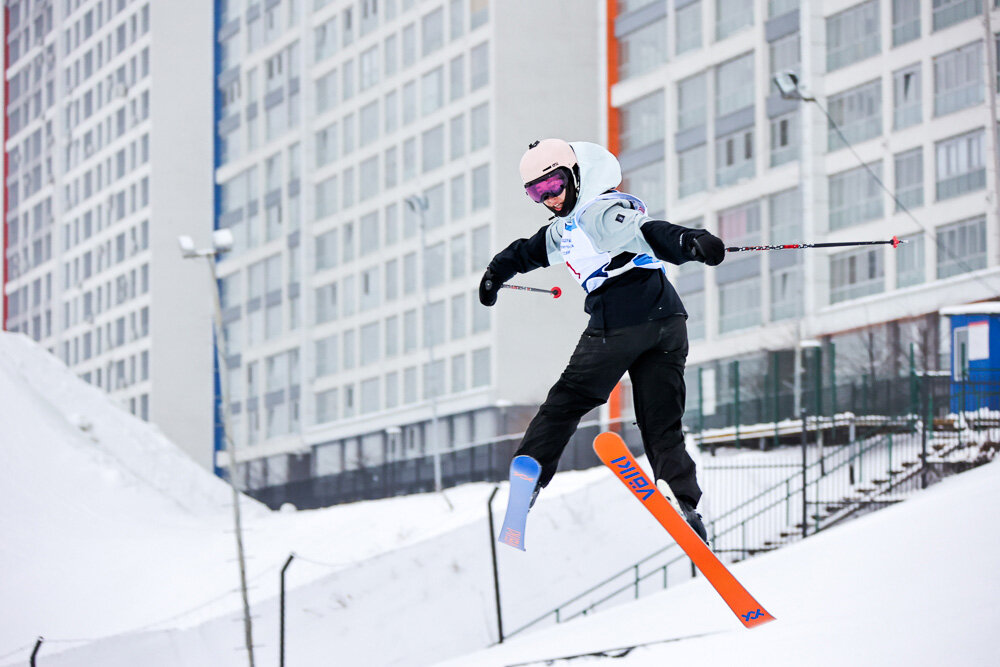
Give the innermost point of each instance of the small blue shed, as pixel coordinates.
(975, 355)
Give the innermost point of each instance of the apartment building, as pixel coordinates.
(366, 164)
(95, 199)
(901, 86)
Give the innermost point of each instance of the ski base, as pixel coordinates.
(524, 473)
(614, 453)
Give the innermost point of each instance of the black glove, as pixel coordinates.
(488, 288)
(703, 246)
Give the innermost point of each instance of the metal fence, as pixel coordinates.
(485, 462)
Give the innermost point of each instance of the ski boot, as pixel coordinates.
(685, 509)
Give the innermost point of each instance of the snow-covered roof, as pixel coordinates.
(982, 308)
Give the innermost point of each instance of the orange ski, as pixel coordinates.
(615, 454)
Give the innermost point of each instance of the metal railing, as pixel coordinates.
(828, 484)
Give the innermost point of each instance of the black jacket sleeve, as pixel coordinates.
(667, 240)
(521, 256)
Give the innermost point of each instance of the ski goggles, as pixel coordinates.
(549, 185)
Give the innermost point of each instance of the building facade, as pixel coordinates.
(91, 215)
(367, 165)
(900, 90)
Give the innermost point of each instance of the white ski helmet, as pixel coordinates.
(547, 168)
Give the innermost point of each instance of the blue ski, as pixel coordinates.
(524, 472)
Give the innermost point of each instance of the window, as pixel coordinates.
(479, 121)
(391, 111)
(410, 342)
(481, 367)
(369, 394)
(691, 100)
(432, 148)
(734, 157)
(479, 12)
(785, 216)
(326, 250)
(910, 261)
(785, 56)
(648, 183)
(456, 18)
(458, 197)
(368, 173)
(327, 355)
(960, 166)
(326, 303)
(787, 287)
(906, 91)
(434, 378)
(739, 305)
(731, 15)
(852, 35)
(642, 122)
(457, 135)
(643, 49)
(457, 259)
(858, 114)
(432, 31)
(326, 92)
(369, 123)
(479, 64)
(326, 197)
(456, 73)
(688, 35)
(369, 68)
(856, 273)
(390, 55)
(740, 225)
(948, 12)
(961, 247)
(409, 45)
(784, 138)
(409, 102)
(958, 79)
(905, 21)
(458, 373)
(432, 91)
(734, 85)
(370, 343)
(481, 187)
(692, 169)
(855, 197)
(434, 323)
(910, 179)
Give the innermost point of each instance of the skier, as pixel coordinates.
(637, 321)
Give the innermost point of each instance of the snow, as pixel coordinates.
(118, 550)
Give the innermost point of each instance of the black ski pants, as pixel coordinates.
(654, 354)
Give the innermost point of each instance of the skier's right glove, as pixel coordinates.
(489, 286)
(703, 246)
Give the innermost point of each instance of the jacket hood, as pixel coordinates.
(599, 171)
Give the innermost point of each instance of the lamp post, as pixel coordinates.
(222, 241)
(418, 204)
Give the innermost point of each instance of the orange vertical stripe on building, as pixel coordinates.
(615, 400)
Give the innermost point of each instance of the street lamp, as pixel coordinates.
(419, 204)
(789, 88)
(222, 241)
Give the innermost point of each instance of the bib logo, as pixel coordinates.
(756, 613)
(634, 478)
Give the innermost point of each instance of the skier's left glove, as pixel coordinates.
(703, 246)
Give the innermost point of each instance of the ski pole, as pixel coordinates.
(894, 242)
(555, 291)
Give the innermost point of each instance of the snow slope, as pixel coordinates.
(117, 549)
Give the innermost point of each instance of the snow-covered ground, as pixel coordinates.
(118, 550)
